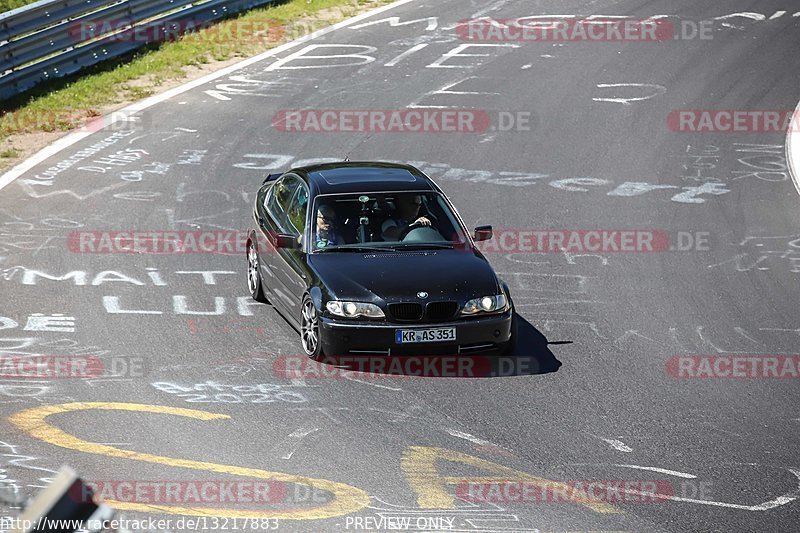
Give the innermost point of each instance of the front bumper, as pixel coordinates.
(473, 335)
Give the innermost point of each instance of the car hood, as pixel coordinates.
(398, 276)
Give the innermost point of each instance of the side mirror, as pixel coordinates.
(483, 233)
(289, 242)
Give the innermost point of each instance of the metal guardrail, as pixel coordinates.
(54, 38)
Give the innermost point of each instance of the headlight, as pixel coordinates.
(486, 304)
(354, 309)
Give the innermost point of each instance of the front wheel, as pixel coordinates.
(510, 347)
(309, 329)
(254, 282)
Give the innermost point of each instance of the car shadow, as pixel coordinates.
(531, 357)
(532, 343)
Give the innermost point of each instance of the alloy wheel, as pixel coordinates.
(252, 269)
(310, 328)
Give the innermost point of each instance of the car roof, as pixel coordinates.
(364, 176)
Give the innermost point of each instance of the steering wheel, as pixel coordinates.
(409, 229)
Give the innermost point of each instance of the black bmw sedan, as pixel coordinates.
(372, 258)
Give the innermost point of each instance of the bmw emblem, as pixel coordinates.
(422, 295)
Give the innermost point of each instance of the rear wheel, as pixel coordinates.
(309, 329)
(254, 274)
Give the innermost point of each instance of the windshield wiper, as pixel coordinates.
(354, 249)
(424, 246)
(392, 248)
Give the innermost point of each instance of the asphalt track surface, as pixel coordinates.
(598, 403)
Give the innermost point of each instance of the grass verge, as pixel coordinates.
(8, 5)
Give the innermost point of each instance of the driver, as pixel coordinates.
(406, 214)
(326, 234)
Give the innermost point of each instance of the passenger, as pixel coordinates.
(326, 234)
(406, 214)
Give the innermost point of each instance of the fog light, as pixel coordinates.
(497, 333)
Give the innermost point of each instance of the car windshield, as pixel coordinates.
(384, 221)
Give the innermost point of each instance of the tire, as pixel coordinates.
(310, 330)
(254, 283)
(511, 346)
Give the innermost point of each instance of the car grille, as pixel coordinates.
(406, 311)
(441, 311)
(433, 312)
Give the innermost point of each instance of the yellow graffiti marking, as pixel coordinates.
(419, 466)
(348, 499)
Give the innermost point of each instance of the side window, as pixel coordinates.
(285, 189)
(269, 201)
(297, 210)
(279, 197)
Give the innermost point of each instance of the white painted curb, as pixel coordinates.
(72, 138)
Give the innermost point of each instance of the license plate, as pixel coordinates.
(409, 336)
